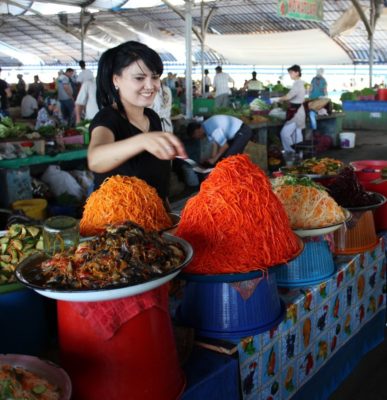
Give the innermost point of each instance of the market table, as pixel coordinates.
(330, 125)
(327, 329)
(15, 177)
(69, 155)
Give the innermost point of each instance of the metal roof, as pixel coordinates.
(56, 39)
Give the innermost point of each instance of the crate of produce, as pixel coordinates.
(203, 106)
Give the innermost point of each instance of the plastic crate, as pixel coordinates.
(359, 120)
(203, 106)
(365, 105)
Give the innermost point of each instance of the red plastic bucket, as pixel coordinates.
(382, 94)
(139, 362)
(367, 171)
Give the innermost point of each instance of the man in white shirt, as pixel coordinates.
(85, 74)
(29, 105)
(221, 87)
(86, 103)
(228, 134)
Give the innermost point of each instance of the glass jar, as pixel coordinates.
(60, 233)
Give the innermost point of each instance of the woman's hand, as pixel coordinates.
(163, 145)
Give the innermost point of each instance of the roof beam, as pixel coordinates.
(64, 28)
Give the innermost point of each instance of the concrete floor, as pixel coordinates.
(369, 145)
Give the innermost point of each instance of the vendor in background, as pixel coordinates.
(222, 90)
(85, 74)
(66, 96)
(29, 106)
(228, 134)
(49, 114)
(37, 89)
(162, 105)
(253, 87)
(5, 94)
(318, 88)
(86, 102)
(206, 83)
(291, 133)
(20, 89)
(126, 134)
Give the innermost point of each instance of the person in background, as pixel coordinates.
(228, 134)
(85, 74)
(126, 136)
(253, 87)
(49, 114)
(5, 94)
(29, 105)
(291, 132)
(171, 81)
(206, 83)
(222, 90)
(37, 89)
(318, 88)
(66, 96)
(162, 105)
(20, 89)
(86, 102)
(52, 84)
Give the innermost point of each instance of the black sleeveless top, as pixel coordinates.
(145, 166)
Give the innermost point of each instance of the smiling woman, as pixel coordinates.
(126, 135)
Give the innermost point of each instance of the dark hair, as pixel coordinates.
(206, 71)
(254, 73)
(114, 60)
(218, 68)
(191, 128)
(295, 68)
(82, 64)
(69, 70)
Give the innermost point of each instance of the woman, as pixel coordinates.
(126, 135)
(291, 133)
(49, 114)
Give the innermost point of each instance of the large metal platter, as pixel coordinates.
(382, 200)
(25, 272)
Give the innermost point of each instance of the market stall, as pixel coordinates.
(225, 267)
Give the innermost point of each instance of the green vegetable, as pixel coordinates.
(303, 181)
(47, 131)
(258, 104)
(39, 389)
(367, 92)
(348, 96)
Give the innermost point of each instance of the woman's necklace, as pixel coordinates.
(143, 125)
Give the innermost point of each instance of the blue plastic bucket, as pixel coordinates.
(314, 265)
(24, 321)
(219, 310)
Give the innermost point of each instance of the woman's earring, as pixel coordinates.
(116, 87)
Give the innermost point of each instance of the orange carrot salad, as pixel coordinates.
(120, 199)
(236, 223)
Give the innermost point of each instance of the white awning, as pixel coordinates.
(295, 47)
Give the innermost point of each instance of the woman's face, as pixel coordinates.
(293, 75)
(137, 85)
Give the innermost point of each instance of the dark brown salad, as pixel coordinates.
(346, 189)
(123, 255)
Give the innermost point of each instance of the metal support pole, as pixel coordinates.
(82, 34)
(188, 59)
(203, 34)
